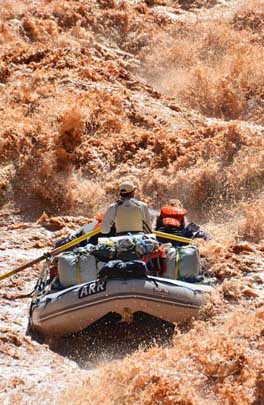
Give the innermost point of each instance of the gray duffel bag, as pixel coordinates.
(182, 263)
(76, 267)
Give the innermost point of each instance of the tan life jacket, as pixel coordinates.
(128, 217)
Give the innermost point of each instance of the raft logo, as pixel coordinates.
(161, 291)
(92, 288)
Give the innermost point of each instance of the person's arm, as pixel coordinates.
(109, 219)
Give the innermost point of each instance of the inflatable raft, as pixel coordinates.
(75, 308)
(79, 296)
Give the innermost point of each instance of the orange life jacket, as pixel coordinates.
(172, 216)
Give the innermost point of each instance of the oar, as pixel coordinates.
(53, 253)
(172, 237)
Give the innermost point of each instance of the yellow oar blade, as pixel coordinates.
(172, 237)
(52, 253)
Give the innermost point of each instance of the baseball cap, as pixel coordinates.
(127, 187)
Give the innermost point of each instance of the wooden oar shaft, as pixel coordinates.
(74, 242)
(53, 253)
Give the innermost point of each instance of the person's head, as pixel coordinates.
(175, 203)
(127, 189)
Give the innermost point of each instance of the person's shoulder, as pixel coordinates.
(141, 203)
(111, 206)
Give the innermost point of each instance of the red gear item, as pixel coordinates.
(99, 217)
(53, 271)
(159, 264)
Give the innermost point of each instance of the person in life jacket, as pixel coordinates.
(127, 214)
(172, 219)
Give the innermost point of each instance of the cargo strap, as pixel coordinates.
(146, 228)
(177, 265)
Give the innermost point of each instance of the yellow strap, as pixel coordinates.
(177, 264)
(79, 271)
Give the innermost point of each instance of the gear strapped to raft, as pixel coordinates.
(120, 269)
